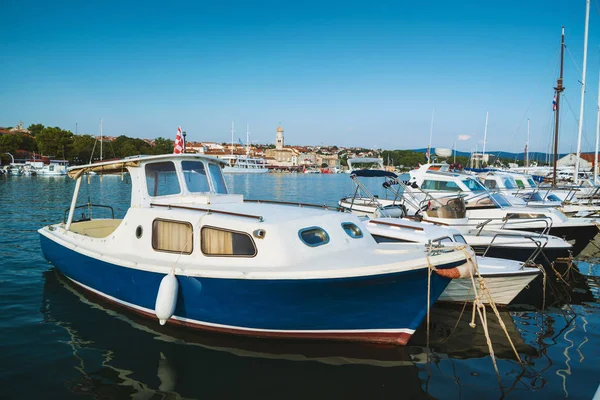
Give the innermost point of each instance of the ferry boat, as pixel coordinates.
(244, 165)
(190, 253)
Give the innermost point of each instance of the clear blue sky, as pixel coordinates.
(347, 73)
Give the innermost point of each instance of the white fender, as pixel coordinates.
(166, 299)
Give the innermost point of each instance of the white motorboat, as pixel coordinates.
(495, 209)
(505, 279)
(190, 253)
(484, 237)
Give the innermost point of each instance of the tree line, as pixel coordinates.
(58, 143)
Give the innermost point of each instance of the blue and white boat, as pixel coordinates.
(188, 252)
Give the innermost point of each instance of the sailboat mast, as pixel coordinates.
(527, 146)
(558, 89)
(597, 133)
(585, 44)
(484, 138)
(247, 140)
(100, 139)
(430, 136)
(232, 130)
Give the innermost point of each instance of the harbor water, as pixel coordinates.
(58, 342)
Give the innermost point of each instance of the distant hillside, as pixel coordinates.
(503, 154)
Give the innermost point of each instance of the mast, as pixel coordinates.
(558, 89)
(100, 139)
(484, 139)
(597, 133)
(527, 146)
(585, 43)
(430, 136)
(247, 140)
(232, 130)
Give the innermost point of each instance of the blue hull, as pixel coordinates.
(385, 308)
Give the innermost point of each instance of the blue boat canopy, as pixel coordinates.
(373, 173)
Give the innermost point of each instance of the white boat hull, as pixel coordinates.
(503, 288)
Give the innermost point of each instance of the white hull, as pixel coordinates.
(503, 288)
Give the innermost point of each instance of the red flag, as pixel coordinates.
(178, 142)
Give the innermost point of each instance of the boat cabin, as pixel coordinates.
(181, 205)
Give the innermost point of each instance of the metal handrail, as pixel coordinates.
(416, 228)
(209, 211)
(293, 203)
(89, 206)
(535, 251)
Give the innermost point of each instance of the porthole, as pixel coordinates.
(352, 230)
(139, 231)
(313, 236)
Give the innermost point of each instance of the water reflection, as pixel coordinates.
(121, 355)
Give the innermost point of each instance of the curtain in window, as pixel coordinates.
(217, 242)
(172, 236)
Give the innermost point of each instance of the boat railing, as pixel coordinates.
(293, 203)
(397, 225)
(546, 220)
(89, 215)
(360, 187)
(416, 197)
(538, 244)
(486, 221)
(208, 211)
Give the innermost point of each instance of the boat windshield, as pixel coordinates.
(500, 200)
(161, 179)
(473, 185)
(509, 183)
(531, 183)
(216, 175)
(195, 176)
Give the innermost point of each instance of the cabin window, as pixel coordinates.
(531, 183)
(172, 236)
(217, 178)
(161, 179)
(473, 185)
(313, 236)
(490, 184)
(508, 184)
(221, 242)
(520, 184)
(445, 239)
(525, 216)
(386, 239)
(447, 186)
(460, 239)
(195, 176)
(500, 200)
(352, 230)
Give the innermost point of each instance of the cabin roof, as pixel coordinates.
(121, 165)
